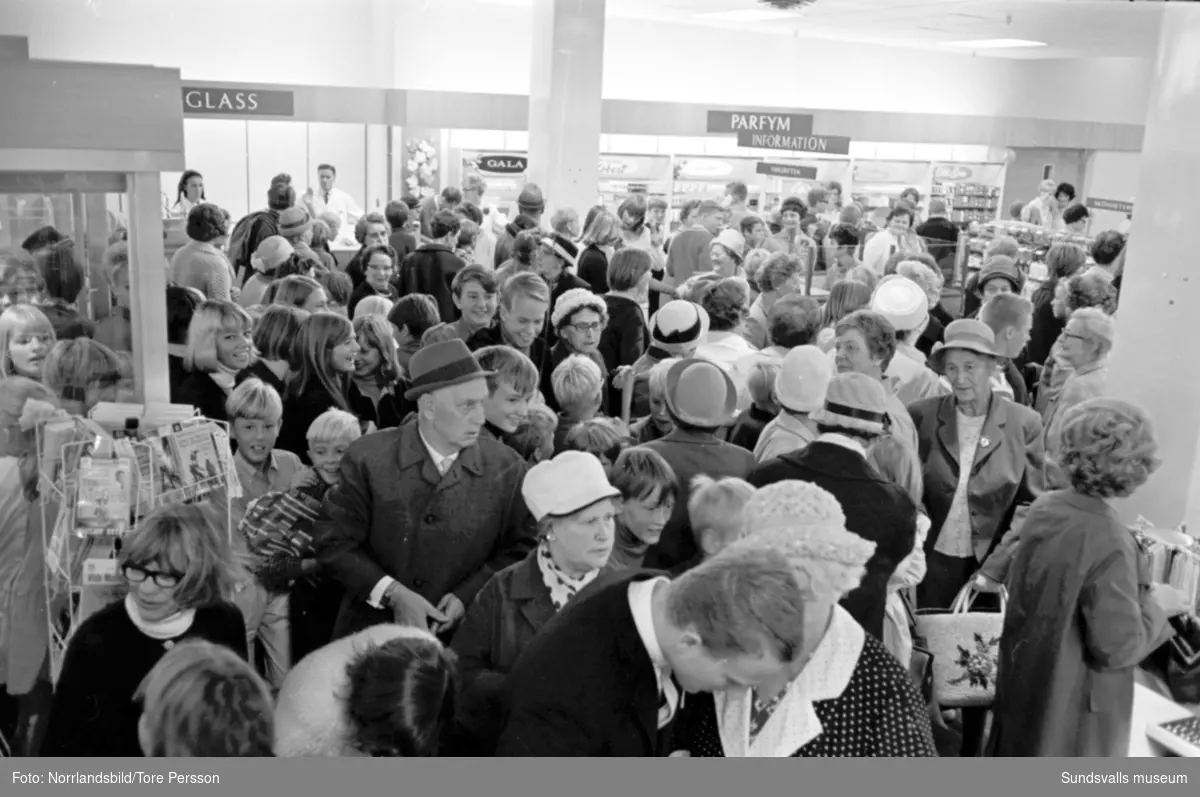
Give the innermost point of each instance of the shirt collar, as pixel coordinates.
(641, 601)
(246, 466)
(443, 463)
(844, 441)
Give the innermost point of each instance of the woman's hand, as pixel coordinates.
(984, 584)
(622, 377)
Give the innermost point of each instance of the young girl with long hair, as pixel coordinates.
(845, 297)
(323, 360)
(274, 332)
(375, 374)
(26, 337)
(600, 242)
(219, 346)
(303, 293)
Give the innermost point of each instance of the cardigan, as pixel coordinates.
(507, 614)
(592, 268)
(204, 267)
(622, 342)
(94, 713)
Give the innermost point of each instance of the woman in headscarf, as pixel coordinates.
(844, 695)
(575, 507)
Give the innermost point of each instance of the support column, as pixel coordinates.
(148, 288)
(1156, 360)
(564, 102)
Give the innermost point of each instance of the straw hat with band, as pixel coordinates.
(294, 221)
(856, 402)
(561, 246)
(677, 325)
(700, 393)
(272, 253)
(965, 334)
(1001, 267)
(441, 365)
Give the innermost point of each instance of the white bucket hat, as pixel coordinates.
(902, 302)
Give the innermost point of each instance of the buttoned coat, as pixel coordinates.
(393, 514)
(1006, 477)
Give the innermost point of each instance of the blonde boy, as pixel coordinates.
(715, 513)
(578, 389)
(328, 438)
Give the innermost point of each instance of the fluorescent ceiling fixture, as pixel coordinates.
(996, 44)
(507, 2)
(748, 15)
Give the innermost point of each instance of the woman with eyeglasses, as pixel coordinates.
(380, 269)
(579, 318)
(179, 571)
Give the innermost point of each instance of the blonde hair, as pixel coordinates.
(254, 400)
(760, 384)
(77, 370)
(333, 426)
(211, 319)
(577, 382)
(897, 462)
(183, 538)
(658, 377)
(439, 333)
(598, 437)
(534, 438)
(717, 504)
(202, 701)
(294, 290)
(379, 336)
(604, 230)
(17, 320)
(373, 306)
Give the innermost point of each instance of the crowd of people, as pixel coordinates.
(570, 468)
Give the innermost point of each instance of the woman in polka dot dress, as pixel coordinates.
(845, 695)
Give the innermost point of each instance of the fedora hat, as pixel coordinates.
(965, 334)
(700, 393)
(442, 365)
(294, 221)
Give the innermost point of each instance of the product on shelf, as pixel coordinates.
(1034, 242)
(967, 202)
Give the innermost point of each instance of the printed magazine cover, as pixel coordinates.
(102, 506)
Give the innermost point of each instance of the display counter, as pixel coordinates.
(1152, 708)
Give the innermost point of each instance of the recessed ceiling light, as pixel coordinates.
(995, 44)
(747, 15)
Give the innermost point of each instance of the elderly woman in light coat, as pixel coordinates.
(1083, 346)
(1081, 615)
(575, 507)
(845, 695)
(387, 691)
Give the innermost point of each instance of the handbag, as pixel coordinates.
(965, 646)
(1177, 661)
(920, 664)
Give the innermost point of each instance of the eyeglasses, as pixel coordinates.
(580, 327)
(382, 269)
(1073, 335)
(136, 575)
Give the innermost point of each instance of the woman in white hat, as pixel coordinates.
(272, 253)
(726, 252)
(576, 510)
(675, 332)
(844, 695)
(906, 305)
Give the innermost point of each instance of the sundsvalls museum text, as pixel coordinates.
(110, 778)
(1115, 778)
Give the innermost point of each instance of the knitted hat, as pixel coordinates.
(573, 300)
(701, 393)
(678, 325)
(1001, 266)
(294, 221)
(806, 524)
(562, 246)
(965, 334)
(530, 200)
(272, 253)
(572, 481)
(902, 302)
(856, 402)
(804, 377)
(732, 240)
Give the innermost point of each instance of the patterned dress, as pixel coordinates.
(878, 713)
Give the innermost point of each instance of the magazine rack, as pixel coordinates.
(80, 571)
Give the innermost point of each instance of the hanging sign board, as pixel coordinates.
(503, 163)
(237, 102)
(789, 170)
(831, 145)
(642, 168)
(984, 173)
(793, 124)
(1109, 204)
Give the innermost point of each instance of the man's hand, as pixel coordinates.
(409, 608)
(622, 376)
(452, 610)
(303, 479)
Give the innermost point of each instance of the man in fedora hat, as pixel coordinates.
(296, 226)
(854, 414)
(426, 513)
(701, 399)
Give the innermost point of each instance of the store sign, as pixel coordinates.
(703, 169)
(738, 121)
(831, 145)
(1109, 204)
(503, 164)
(988, 173)
(789, 170)
(890, 172)
(237, 102)
(627, 167)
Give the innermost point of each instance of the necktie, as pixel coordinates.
(326, 197)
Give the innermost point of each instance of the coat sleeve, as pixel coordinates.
(1118, 628)
(83, 703)
(344, 529)
(482, 684)
(516, 541)
(1033, 484)
(542, 727)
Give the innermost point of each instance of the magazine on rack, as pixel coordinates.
(102, 499)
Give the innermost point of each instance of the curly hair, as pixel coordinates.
(206, 223)
(525, 246)
(725, 302)
(1107, 246)
(876, 330)
(1107, 447)
(1090, 290)
(777, 270)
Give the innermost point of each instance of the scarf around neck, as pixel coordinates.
(562, 587)
(171, 628)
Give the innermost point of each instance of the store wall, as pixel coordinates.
(1111, 175)
(464, 46)
(1026, 169)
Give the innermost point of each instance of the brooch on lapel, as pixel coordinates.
(984, 442)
